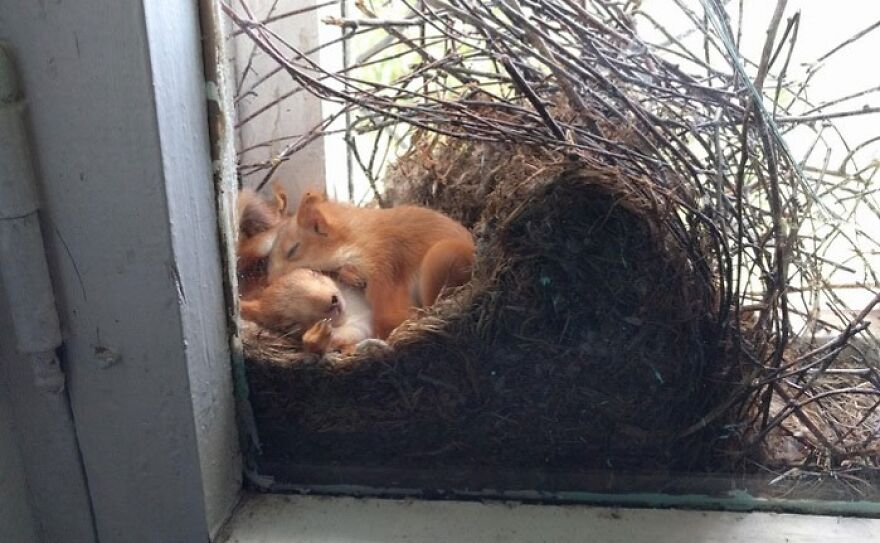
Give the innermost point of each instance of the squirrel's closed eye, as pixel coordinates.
(292, 251)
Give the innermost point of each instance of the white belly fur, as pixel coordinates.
(358, 324)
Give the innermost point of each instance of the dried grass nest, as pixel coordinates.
(587, 337)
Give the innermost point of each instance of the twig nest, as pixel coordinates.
(580, 341)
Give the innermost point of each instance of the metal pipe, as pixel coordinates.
(23, 268)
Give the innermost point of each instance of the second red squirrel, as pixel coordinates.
(329, 316)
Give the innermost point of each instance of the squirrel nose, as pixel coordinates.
(334, 301)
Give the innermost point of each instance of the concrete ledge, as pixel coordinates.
(272, 518)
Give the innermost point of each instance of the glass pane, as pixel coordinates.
(675, 215)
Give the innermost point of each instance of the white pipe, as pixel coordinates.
(23, 268)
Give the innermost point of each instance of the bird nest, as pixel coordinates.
(651, 256)
(584, 337)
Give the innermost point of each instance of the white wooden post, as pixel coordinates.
(282, 117)
(118, 112)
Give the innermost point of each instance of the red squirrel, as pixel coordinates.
(330, 316)
(403, 256)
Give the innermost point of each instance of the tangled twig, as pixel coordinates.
(763, 226)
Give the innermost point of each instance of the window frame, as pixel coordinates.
(150, 378)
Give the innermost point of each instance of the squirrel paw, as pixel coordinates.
(317, 338)
(351, 277)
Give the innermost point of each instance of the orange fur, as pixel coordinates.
(256, 215)
(330, 316)
(405, 255)
(294, 301)
(447, 263)
(335, 317)
(258, 222)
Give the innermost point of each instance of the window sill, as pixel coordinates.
(271, 518)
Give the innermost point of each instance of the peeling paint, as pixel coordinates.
(212, 92)
(106, 356)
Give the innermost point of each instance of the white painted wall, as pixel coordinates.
(16, 520)
(289, 117)
(118, 116)
(49, 457)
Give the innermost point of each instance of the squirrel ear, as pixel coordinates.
(309, 200)
(255, 215)
(280, 197)
(309, 216)
(313, 194)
